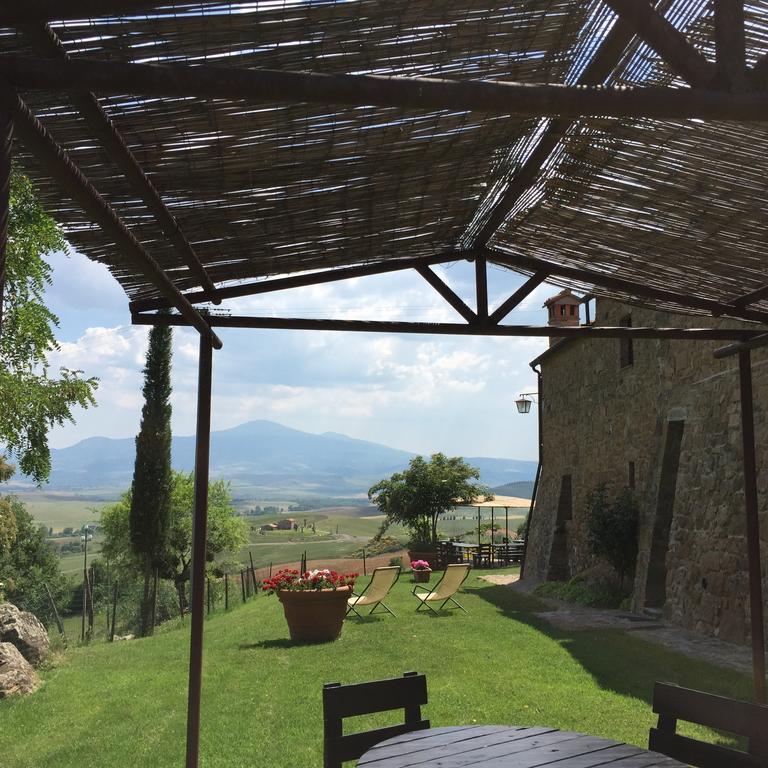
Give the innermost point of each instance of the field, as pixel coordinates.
(105, 703)
(340, 530)
(63, 511)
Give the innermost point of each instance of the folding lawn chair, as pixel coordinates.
(381, 582)
(455, 575)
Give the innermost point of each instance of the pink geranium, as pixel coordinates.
(420, 565)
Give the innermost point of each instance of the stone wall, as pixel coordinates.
(599, 416)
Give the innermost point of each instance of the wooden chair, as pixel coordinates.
(408, 692)
(673, 703)
(382, 580)
(445, 589)
(483, 557)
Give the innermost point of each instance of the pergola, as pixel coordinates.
(208, 150)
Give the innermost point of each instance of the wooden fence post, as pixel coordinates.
(56, 616)
(85, 604)
(154, 602)
(114, 613)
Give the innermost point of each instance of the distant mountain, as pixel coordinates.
(266, 456)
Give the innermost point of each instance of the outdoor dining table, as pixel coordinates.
(496, 746)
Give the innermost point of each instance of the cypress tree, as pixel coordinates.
(151, 489)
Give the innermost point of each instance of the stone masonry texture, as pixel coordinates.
(598, 416)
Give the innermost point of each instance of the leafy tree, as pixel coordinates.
(612, 528)
(426, 490)
(150, 509)
(8, 526)
(226, 532)
(29, 563)
(32, 400)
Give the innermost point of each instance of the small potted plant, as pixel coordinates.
(421, 571)
(314, 602)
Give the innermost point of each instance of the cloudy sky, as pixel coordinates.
(417, 393)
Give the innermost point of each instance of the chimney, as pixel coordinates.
(562, 310)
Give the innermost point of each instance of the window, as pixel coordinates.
(626, 350)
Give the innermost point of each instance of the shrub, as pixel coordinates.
(612, 528)
(578, 591)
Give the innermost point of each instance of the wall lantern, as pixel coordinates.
(523, 404)
(525, 400)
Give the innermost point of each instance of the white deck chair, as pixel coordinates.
(381, 582)
(455, 575)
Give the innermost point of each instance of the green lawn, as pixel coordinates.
(107, 704)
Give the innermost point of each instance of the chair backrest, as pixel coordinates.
(408, 692)
(743, 718)
(382, 581)
(454, 576)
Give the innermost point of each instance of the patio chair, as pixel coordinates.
(408, 692)
(382, 580)
(743, 718)
(445, 589)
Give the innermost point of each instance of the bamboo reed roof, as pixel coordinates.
(263, 189)
(663, 203)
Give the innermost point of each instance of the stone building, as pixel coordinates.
(662, 417)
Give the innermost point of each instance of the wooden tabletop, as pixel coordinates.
(495, 746)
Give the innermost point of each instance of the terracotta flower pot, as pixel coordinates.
(314, 615)
(422, 576)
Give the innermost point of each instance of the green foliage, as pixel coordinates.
(150, 511)
(29, 563)
(8, 526)
(226, 532)
(612, 528)
(33, 401)
(578, 591)
(151, 489)
(426, 490)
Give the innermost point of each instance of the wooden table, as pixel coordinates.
(495, 746)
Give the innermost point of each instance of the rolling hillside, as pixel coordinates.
(267, 456)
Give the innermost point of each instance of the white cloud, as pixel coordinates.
(421, 393)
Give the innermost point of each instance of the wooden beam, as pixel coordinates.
(454, 300)
(756, 342)
(751, 297)
(730, 44)
(456, 329)
(481, 287)
(602, 64)
(630, 287)
(671, 45)
(758, 75)
(199, 549)
(524, 290)
(61, 168)
(46, 42)
(492, 97)
(752, 510)
(6, 142)
(301, 281)
(60, 10)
